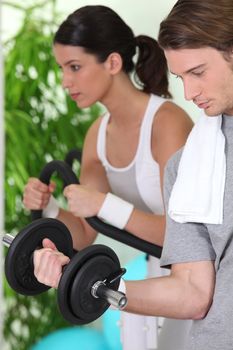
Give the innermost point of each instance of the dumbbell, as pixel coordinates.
(89, 282)
(69, 177)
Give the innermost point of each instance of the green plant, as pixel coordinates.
(41, 124)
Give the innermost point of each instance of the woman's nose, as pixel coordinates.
(66, 81)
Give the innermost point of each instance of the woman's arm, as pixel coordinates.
(90, 194)
(37, 194)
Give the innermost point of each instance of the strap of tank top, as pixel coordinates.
(101, 139)
(144, 147)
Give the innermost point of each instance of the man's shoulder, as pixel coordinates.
(171, 170)
(174, 160)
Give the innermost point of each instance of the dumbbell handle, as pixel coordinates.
(113, 297)
(7, 239)
(98, 290)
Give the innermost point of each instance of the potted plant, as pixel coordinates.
(41, 124)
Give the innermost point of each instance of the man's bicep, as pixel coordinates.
(199, 269)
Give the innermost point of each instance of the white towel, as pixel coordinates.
(197, 195)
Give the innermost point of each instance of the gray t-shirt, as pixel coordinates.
(200, 242)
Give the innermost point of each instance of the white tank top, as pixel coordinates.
(139, 182)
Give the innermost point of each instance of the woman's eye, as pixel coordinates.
(75, 67)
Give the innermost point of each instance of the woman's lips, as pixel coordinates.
(74, 96)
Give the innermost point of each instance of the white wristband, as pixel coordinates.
(115, 211)
(51, 210)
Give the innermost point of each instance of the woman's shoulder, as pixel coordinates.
(170, 110)
(94, 128)
(171, 128)
(170, 116)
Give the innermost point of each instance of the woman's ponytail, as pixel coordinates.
(151, 67)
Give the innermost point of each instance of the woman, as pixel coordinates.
(125, 150)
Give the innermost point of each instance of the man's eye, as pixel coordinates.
(198, 73)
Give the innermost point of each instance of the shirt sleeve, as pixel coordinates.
(187, 242)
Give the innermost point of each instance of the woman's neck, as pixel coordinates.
(125, 103)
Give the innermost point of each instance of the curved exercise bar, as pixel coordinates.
(73, 154)
(69, 177)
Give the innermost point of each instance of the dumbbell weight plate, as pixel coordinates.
(18, 263)
(82, 302)
(94, 263)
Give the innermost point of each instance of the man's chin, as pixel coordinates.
(212, 113)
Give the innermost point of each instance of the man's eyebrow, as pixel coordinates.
(191, 69)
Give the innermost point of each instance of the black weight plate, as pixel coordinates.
(68, 277)
(82, 302)
(18, 263)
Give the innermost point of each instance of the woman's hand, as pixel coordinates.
(37, 194)
(83, 201)
(48, 263)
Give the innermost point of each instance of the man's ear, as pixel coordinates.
(231, 53)
(114, 63)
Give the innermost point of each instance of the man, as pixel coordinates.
(197, 37)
